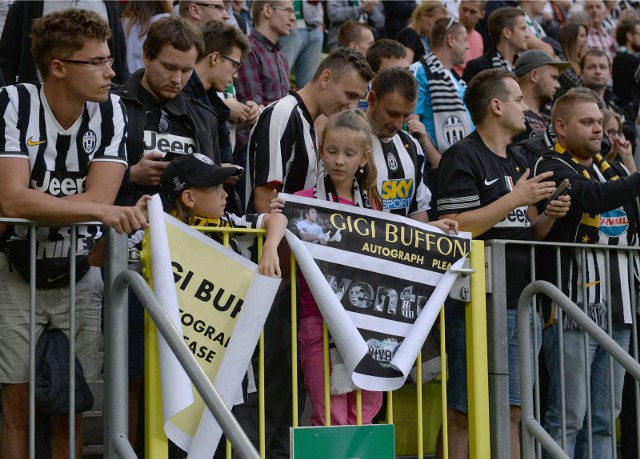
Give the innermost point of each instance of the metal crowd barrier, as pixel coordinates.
(156, 442)
(118, 279)
(534, 437)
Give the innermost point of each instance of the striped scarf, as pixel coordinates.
(499, 62)
(588, 232)
(590, 224)
(450, 117)
(324, 189)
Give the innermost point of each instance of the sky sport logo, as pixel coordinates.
(396, 194)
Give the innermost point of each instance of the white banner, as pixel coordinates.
(378, 279)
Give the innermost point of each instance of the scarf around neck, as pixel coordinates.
(324, 190)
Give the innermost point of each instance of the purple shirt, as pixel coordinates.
(264, 75)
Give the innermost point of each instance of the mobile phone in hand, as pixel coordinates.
(562, 189)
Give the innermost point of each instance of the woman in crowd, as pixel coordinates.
(415, 37)
(573, 39)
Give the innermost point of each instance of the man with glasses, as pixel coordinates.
(225, 46)
(62, 158)
(264, 76)
(203, 11)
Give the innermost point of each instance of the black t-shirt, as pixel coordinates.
(470, 177)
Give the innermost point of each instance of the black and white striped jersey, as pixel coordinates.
(59, 159)
(401, 183)
(282, 148)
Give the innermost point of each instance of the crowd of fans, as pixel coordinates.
(486, 107)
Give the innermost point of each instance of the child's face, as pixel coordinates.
(209, 202)
(342, 154)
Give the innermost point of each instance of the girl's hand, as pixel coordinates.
(269, 264)
(277, 203)
(447, 225)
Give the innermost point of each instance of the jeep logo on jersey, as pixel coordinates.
(396, 194)
(614, 223)
(89, 141)
(58, 183)
(453, 129)
(517, 218)
(164, 143)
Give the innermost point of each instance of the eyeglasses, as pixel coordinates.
(99, 63)
(236, 64)
(451, 22)
(611, 133)
(212, 5)
(288, 9)
(164, 126)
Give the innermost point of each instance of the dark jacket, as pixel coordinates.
(195, 89)
(477, 65)
(198, 118)
(16, 60)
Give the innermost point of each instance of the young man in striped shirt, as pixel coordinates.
(62, 158)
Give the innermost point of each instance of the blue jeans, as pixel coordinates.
(302, 48)
(455, 325)
(575, 377)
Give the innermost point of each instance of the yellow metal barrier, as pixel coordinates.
(477, 367)
(479, 443)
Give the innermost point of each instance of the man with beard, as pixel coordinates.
(604, 212)
(398, 155)
(485, 186)
(537, 74)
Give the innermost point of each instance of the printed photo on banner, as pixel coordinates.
(379, 281)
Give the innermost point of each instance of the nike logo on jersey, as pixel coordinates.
(33, 143)
(489, 183)
(51, 280)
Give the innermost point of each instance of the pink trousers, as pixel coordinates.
(343, 407)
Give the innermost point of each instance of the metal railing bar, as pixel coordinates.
(530, 424)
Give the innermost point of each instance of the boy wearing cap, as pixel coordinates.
(537, 74)
(191, 186)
